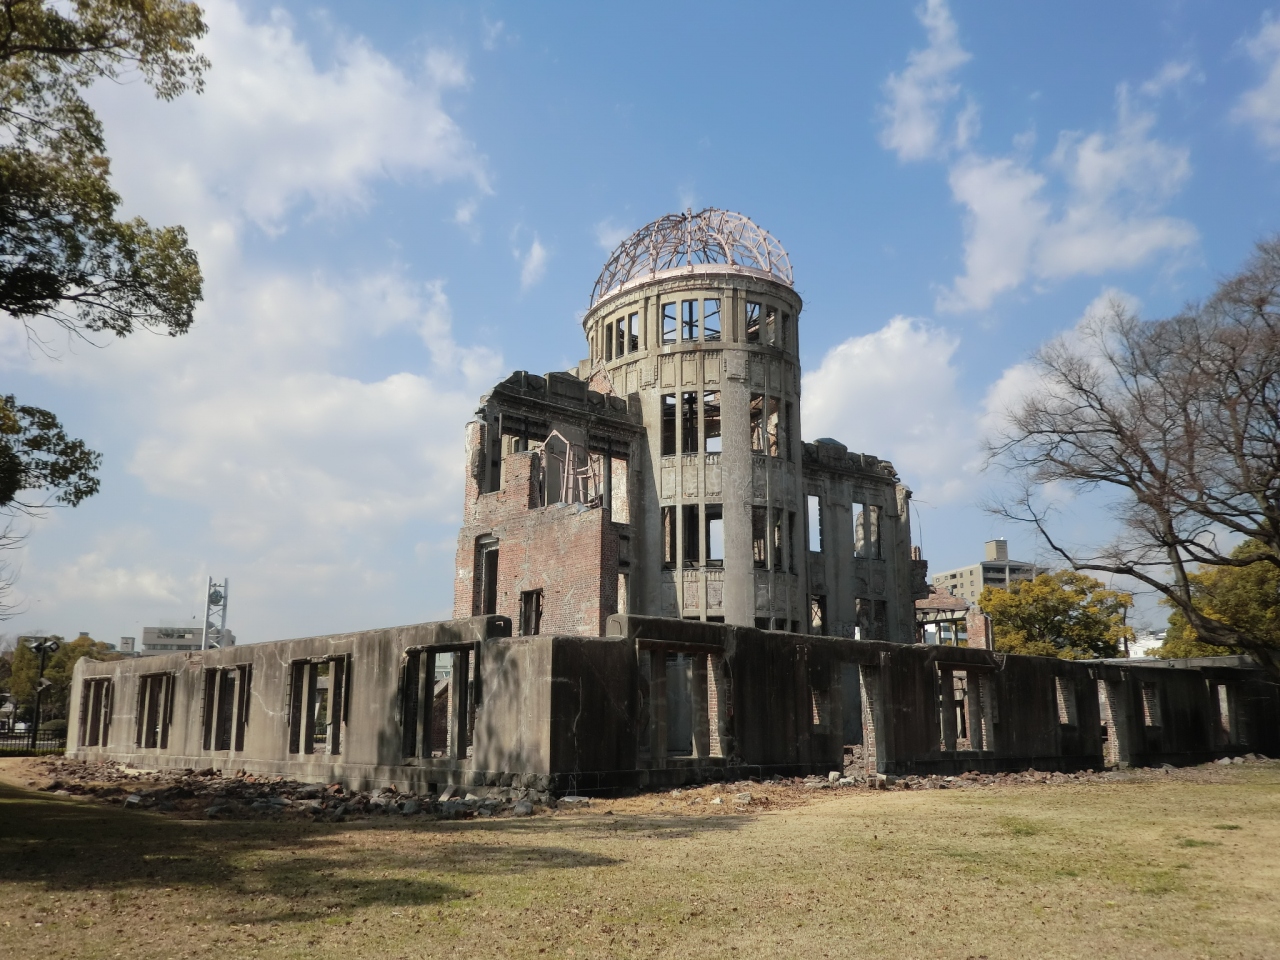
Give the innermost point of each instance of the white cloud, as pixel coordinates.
(609, 235)
(1095, 206)
(274, 129)
(533, 263)
(918, 97)
(1171, 76)
(1259, 108)
(893, 393)
(278, 441)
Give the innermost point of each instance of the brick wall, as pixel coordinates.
(568, 551)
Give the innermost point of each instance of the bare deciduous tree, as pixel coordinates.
(1179, 421)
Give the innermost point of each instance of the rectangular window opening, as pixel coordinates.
(753, 322)
(759, 534)
(689, 422)
(787, 434)
(771, 325)
(669, 323)
(619, 500)
(689, 519)
(1150, 704)
(710, 319)
(776, 560)
(773, 426)
(814, 505)
(668, 424)
(714, 513)
(786, 330)
(633, 333)
(866, 531)
(530, 613)
(1066, 692)
(608, 342)
(487, 575)
(689, 320)
(668, 537)
(757, 423)
(155, 710)
(95, 712)
(620, 338)
(711, 421)
(818, 614)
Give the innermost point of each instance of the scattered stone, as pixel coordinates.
(718, 800)
(132, 801)
(411, 807)
(522, 808)
(742, 798)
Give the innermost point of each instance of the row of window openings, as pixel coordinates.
(767, 541)
(692, 320)
(866, 528)
(770, 422)
(871, 617)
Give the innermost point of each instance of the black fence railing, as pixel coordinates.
(21, 740)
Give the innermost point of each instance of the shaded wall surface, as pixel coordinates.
(654, 702)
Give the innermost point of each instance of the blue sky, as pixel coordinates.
(395, 204)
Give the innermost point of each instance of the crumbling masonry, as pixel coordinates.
(658, 583)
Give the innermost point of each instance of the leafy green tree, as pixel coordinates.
(64, 256)
(1247, 598)
(1063, 614)
(58, 669)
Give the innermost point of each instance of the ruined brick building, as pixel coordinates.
(666, 476)
(659, 583)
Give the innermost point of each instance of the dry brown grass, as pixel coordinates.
(1127, 869)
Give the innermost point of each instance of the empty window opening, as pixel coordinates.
(753, 322)
(757, 423)
(689, 422)
(679, 704)
(668, 323)
(155, 710)
(818, 614)
(710, 319)
(439, 694)
(530, 613)
(619, 500)
(771, 325)
(226, 706)
(608, 341)
(668, 424)
(620, 338)
(759, 533)
(487, 576)
(791, 541)
(624, 594)
(820, 714)
(668, 536)
(689, 320)
(866, 531)
(633, 333)
(711, 421)
(764, 623)
(1150, 704)
(95, 711)
(776, 560)
(1224, 713)
(1066, 691)
(690, 524)
(773, 426)
(786, 330)
(787, 432)
(714, 513)
(815, 523)
(318, 692)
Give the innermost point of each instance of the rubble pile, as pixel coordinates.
(243, 795)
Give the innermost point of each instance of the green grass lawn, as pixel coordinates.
(1173, 868)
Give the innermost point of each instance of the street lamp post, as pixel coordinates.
(44, 647)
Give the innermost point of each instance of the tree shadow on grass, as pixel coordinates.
(71, 845)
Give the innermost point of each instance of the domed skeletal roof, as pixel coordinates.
(683, 240)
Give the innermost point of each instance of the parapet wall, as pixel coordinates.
(656, 702)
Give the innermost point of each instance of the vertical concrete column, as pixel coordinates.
(458, 705)
(986, 689)
(973, 709)
(658, 707)
(947, 706)
(701, 716)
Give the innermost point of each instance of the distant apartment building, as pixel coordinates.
(997, 570)
(177, 638)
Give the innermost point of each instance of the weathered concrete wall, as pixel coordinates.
(656, 702)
